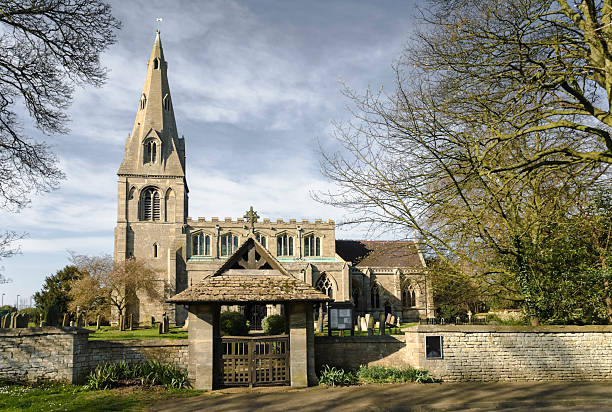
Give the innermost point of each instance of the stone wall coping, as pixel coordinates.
(141, 343)
(359, 339)
(46, 330)
(510, 329)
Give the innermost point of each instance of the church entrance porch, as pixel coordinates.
(255, 360)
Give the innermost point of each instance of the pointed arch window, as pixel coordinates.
(325, 285)
(143, 101)
(156, 63)
(166, 102)
(375, 295)
(155, 250)
(408, 296)
(229, 244)
(312, 245)
(150, 204)
(150, 151)
(200, 244)
(261, 239)
(284, 245)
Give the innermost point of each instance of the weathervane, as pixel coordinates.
(251, 216)
(158, 20)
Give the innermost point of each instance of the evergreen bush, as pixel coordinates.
(233, 324)
(273, 325)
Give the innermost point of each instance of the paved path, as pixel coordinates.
(475, 396)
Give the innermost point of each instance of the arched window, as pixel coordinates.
(200, 244)
(356, 293)
(150, 151)
(312, 246)
(143, 101)
(150, 204)
(229, 244)
(284, 245)
(166, 102)
(408, 296)
(156, 64)
(261, 239)
(325, 285)
(155, 250)
(375, 295)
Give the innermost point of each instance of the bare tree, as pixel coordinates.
(47, 48)
(104, 283)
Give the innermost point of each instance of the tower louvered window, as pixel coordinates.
(150, 207)
(150, 151)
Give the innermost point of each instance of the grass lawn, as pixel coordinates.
(63, 397)
(113, 333)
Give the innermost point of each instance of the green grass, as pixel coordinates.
(113, 333)
(45, 397)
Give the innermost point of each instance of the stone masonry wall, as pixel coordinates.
(169, 351)
(43, 353)
(498, 353)
(349, 352)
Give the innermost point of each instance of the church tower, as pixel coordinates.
(153, 193)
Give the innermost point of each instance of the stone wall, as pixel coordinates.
(43, 353)
(349, 352)
(504, 353)
(169, 351)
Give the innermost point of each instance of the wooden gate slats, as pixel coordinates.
(255, 361)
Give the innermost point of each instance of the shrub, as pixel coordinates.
(381, 374)
(110, 375)
(233, 324)
(337, 377)
(273, 325)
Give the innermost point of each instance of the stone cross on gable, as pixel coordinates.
(251, 216)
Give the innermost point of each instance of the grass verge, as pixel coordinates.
(48, 396)
(113, 333)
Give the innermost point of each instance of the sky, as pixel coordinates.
(255, 85)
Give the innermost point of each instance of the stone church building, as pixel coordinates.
(153, 225)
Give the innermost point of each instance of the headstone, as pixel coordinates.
(72, 324)
(381, 331)
(364, 324)
(160, 328)
(166, 324)
(65, 320)
(98, 322)
(80, 322)
(370, 320)
(388, 318)
(358, 323)
(152, 321)
(398, 323)
(393, 320)
(131, 321)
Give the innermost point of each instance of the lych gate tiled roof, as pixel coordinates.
(363, 253)
(251, 274)
(243, 285)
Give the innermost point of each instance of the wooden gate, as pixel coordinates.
(255, 361)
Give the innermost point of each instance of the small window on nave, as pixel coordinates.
(312, 245)
(229, 244)
(200, 244)
(284, 245)
(375, 295)
(261, 239)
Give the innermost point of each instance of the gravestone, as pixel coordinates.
(160, 328)
(358, 323)
(388, 318)
(131, 321)
(393, 320)
(398, 322)
(152, 321)
(166, 324)
(381, 331)
(98, 322)
(80, 322)
(65, 320)
(364, 324)
(370, 321)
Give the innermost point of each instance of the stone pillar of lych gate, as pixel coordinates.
(203, 334)
(301, 344)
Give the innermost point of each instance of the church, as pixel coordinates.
(153, 225)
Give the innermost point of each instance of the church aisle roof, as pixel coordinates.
(364, 253)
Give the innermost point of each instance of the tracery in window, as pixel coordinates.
(284, 245)
(150, 204)
(229, 244)
(325, 285)
(408, 296)
(312, 245)
(200, 244)
(261, 239)
(375, 295)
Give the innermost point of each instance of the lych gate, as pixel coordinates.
(250, 277)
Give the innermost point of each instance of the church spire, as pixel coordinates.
(154, 146)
